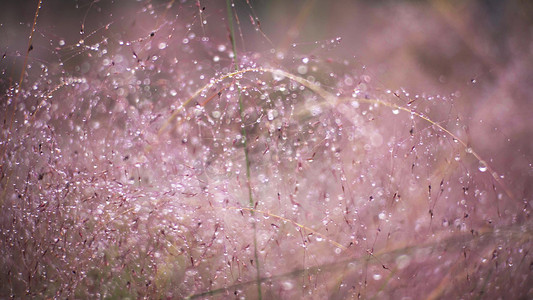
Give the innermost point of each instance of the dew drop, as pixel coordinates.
(277, 76)
(403, 261)
(287, 285)
(302, 69)
(216, 114)
(271, 114)
(96, 125)
(316, 110)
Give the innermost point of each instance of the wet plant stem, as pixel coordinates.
(245, 144)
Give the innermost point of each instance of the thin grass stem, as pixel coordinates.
(245, 144)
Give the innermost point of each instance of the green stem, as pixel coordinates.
(232, 34)
(245, 144)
